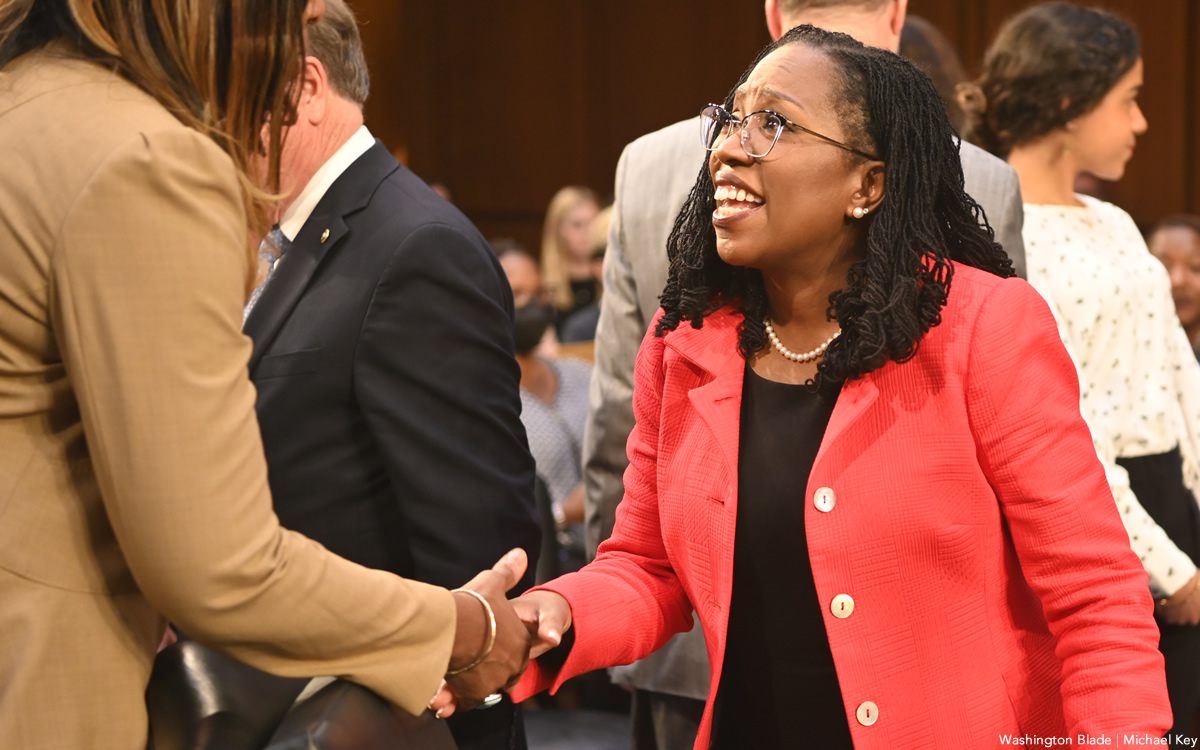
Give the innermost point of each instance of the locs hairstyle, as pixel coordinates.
(223, 67)
(895, 294)
(1047, 66)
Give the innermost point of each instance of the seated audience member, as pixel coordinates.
(132, 481)
(581, 325)
(554, 402)
(566, 260)
(1176, 242)
(389, 456)
(832, 443)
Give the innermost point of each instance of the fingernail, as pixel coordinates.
(512, 555)
(439, 713)
(554, 635)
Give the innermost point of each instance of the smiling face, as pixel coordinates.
(792, 207)
(1102, 140)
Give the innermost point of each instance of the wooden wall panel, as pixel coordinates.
(1188, 102)
(507, 102)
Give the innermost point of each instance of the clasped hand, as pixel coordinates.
(526, 628)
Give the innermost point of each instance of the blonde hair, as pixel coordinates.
(223, 67)
(554, 272)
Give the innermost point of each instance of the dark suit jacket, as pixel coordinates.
(388, 395)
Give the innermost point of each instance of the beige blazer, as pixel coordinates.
(132, 479)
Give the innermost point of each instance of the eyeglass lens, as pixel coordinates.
(759, 133)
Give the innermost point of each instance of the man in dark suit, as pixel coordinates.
(388, 395)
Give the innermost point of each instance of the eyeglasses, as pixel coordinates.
(760, 131)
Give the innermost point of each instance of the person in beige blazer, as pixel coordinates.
(133, 487)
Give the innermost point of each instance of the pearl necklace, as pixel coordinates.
(812, 356)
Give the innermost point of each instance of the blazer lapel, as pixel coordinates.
(719, 401)
(719, 404)
(349, 193)
(289, 281)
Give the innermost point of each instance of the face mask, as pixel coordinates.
(529, 324)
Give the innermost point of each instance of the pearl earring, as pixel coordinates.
(860, 212)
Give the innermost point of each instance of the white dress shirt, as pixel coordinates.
(302, 207)
(1139, 380)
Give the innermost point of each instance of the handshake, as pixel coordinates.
(495, 638)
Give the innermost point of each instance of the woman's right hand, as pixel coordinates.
(1182, 607)
(547, 615)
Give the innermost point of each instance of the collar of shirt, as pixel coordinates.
(297, 213)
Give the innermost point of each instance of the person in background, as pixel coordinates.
(653, 178)
(1176, 242)
(442, 189)
(1058, 96)
(553, 402)
(413, 464)
(832, 443)
(132, 482)
(581, 325)
(927, 47)
(566, 249)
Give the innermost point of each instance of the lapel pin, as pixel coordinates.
(324, 236)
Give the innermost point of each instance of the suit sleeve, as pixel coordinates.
(1010, 223)
(995, 186)
(148, 283)
(438, 385)
(628, 601)
(610, 408)
(1037, 454)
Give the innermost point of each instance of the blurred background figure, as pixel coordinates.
(553, 404)
(1058, 97)
(441, 188)
(581, 324)
(926, 47)
(566, 259)
(1176, 242)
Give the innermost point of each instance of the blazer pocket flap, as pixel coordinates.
(291, 363)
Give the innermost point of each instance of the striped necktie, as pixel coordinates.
(270, 252)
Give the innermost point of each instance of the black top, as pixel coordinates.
(1157, 482)
(778, 686)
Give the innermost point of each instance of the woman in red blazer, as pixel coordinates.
(918, 548)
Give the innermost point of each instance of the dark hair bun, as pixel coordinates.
(1047, 66)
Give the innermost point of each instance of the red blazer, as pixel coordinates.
(994, 590)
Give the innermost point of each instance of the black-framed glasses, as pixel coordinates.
(760, 131)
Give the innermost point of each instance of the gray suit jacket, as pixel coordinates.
(654, 176)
